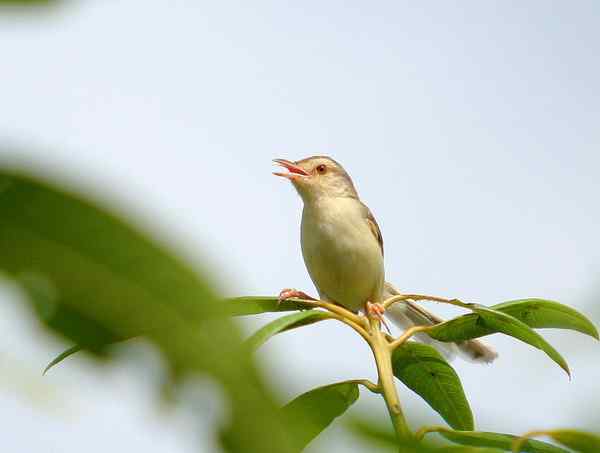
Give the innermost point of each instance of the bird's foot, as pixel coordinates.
(290, 293)
(376, 310)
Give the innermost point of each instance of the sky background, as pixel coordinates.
(470, 129)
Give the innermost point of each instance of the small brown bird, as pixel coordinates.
(342, 248)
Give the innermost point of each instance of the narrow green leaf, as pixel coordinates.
(62, 356)
(422, 369)
(485, 320)
(320, 407)
(579, 441)
(536, 313)
(254, 305)
(497, 440)
(284, 323)
(501, 322)
(540, 313)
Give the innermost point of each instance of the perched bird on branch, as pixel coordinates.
(342, 248)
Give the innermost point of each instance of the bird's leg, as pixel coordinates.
(376, 310)
(291, 293)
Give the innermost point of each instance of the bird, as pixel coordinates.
(343, 251)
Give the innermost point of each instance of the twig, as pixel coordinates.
(418, 297)
(406, 335)
(365, 383)
(519, 441)
(383, 358)
(429, 429)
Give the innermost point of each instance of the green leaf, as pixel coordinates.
(508, 325)
(284, 323)
(540, 313)
(379, 435)
(94, 278)
(62, 356)
(456, 449)
(464, 327)
(237, 306)
(82, 266)
(320, 406)
(38, 3)
(496, 440)
(377, 432)
(253, 305)
(422, 369)
(536, 313)
(577, 440)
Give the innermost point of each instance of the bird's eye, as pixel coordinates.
(322, 169)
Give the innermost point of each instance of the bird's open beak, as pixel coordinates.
(294, 171)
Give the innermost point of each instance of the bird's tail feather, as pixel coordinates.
(408, 314)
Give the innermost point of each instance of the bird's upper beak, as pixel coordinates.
(294, 171)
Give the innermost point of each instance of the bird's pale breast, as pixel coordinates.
(342, 256)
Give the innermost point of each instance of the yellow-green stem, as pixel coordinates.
(383, 359)
(517, 445)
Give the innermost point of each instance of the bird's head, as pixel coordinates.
(318, 176)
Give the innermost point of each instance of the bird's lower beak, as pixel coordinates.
(294, 171)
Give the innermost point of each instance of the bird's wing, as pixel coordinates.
(374, 227)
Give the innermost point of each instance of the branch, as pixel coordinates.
(407, 334)
(418, 297)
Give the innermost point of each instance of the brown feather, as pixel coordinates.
(374, 228)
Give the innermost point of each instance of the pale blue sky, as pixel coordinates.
(470, 128)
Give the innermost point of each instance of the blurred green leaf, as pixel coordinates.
(254, 305)
(320, 406)
(238, 306)
(29, 2)
(283, 324)
(455, 449)
(540, 313)
(496, 440)
(422, 369)
(463, 327)
(75, 261)
(375, 434)
(577, 440)
(94, 279)
(378, 433)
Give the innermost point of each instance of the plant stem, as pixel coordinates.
(517, 444)
(430, 429)
(381, 345)
(335, 309)
(365, 383)
(383, 359)
(406, 335)
(358, 328)
(418, 297)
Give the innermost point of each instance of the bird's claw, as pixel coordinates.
(376, 310)
(291, 293)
